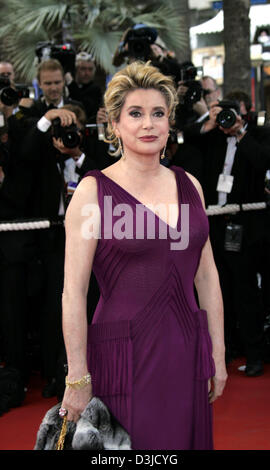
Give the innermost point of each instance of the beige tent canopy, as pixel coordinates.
(259, 16)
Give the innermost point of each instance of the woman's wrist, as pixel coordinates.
(74, 372)
(79, 382)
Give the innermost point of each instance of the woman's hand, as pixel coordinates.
(75, 401)
(217, 383)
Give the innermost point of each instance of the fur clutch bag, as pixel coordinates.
(97, 429)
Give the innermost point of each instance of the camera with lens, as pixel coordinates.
(64, 53)
(69, 134)
(188, 74)
(10, 96)
(226, 118)
(138, 39)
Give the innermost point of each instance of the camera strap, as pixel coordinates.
(225, 180)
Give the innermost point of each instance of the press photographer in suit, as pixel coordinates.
(17, 248)
(45, 197)
(82, 87)
(32, 261)
(236, 156)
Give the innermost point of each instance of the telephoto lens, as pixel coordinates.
(9, 96)
(69, 134)
(227, 116)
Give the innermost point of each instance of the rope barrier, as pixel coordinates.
(44, 224)
(25, 225)
(233, 208)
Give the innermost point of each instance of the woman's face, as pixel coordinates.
(144, 123)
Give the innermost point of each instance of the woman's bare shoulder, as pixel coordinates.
(87, 188)
(197, 185)
(194, 180)
(86, 193)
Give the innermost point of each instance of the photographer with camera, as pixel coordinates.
(236, 155)
(44, 196)
(141, 42)
(192, 108)
(71, 142)
(33, 187)
(11, 93)
(7, 71)
(12, 96)
(82, 87)
(211, 90)
(195, 96)
(7, 77)
(17, 252)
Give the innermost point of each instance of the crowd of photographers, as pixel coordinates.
(46, 149)
(48, 143)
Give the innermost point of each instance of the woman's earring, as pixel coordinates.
(120, 148)
(162, 156)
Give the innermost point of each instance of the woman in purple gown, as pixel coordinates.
(155, 357)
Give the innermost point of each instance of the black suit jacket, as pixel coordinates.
(251, 161)
(90, 95)
(42, 166)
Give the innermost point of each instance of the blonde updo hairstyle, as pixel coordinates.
(135, 76)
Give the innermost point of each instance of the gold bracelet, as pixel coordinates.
(86, 379)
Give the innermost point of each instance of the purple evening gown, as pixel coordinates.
(149, 349)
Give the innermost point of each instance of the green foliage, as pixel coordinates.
(95, 26)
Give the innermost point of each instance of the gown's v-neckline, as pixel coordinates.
(141, 203)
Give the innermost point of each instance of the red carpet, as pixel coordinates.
(19, 426)
(241, 416)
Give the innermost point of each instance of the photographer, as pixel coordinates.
(70, 141)
(142, 42)
(211, 91)
(195, 96)
(236, 156)
(192, 108)
(44, 196)
(83, 88)
(7, 77)
(7, 71)
(11, 93)
(17, 251)
(31, 262)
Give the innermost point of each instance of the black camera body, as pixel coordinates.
(188, 74)
(69, 134)
(139, 38)
(64, 53)
(10, 96)
(227, 117)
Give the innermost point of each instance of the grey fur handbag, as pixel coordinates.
(97, 429)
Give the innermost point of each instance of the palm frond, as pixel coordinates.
(101, 44)
(47, 17)
(95, 25)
